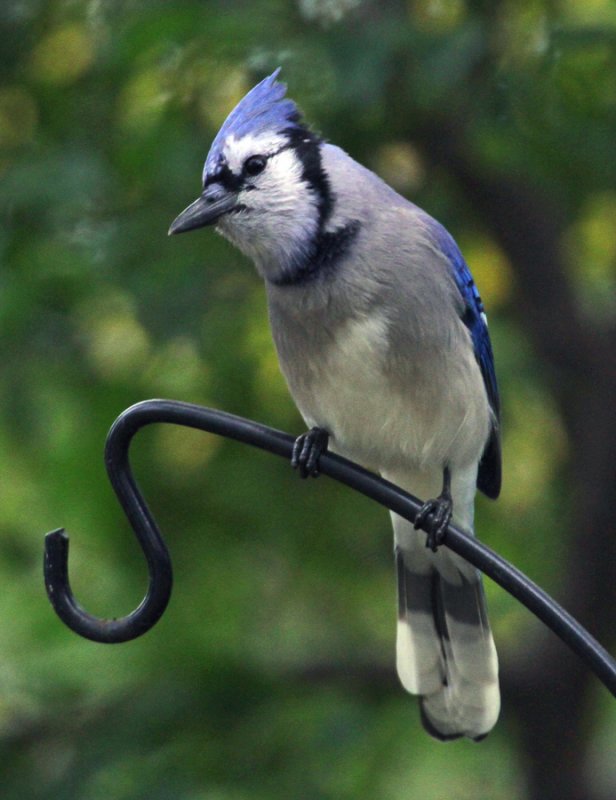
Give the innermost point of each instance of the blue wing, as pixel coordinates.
(474, 317)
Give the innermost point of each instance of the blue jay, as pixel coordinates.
(382, 338)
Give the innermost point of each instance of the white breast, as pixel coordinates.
(442, 418)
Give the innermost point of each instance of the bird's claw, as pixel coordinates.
(307, 450)
(434, 517)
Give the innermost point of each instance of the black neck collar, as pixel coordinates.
(329, 246)
(322, 260)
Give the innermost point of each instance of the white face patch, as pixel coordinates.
(281, 212)
(236, 151)
(281, 183)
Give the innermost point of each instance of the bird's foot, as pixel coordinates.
(433, 518)
(307, 450)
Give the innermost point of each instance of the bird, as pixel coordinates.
(382, 337)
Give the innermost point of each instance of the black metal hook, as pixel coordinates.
(159, 564)
(153, 605)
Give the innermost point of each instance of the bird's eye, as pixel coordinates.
(254, 165)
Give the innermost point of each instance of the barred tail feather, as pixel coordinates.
(468, 702)
(445, 652)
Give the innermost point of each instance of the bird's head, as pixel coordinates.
(263, 184)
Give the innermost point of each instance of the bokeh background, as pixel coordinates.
(271, 674)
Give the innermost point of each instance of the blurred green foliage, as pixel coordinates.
(107, 110)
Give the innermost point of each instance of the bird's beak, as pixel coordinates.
(215, 201)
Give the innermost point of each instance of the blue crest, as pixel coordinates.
(264, 108)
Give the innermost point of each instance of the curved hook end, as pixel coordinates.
(108, 631)
(56, 562)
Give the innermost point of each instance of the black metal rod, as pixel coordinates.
(281, 444)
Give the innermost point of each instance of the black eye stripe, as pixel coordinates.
(233, 182)
(225, 177)
(265, 158)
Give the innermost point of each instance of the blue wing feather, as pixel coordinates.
(474, 317)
